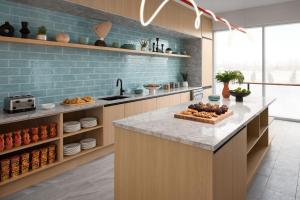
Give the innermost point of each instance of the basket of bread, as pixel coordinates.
(79, 101)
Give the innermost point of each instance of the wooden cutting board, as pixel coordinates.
(213, 120)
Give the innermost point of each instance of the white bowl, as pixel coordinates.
(48, 106)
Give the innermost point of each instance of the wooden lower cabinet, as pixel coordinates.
(110, 114)
(175, 99)
(137, 107)
(185, 97)
(148, 167)
(207, 92)
(163, 102)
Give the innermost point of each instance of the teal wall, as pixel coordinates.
(54, 73)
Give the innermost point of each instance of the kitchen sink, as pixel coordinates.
(111, 98)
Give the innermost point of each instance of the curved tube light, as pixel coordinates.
(213, 15)
(227, 23)
(142, 8)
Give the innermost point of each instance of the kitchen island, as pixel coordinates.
(160, 157)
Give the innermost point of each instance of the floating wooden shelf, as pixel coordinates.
(82, 46)
(82, 131)
(28, 173)
(83, 152)
(28, 146)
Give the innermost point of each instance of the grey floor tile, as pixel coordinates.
(257, 187)
(275, 195)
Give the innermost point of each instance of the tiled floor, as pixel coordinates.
(277, 178)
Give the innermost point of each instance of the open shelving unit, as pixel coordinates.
(83, 46)
(257, 142)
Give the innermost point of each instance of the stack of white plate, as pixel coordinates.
(88, 122)
(72, 126)
(88, 143)
(72, 149)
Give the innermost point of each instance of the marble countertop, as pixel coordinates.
(162, 124)
(9, 118)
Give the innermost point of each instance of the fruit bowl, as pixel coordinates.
(239, 95)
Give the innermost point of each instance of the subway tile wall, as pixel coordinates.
(54, 73)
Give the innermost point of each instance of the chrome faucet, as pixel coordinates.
(121, 88)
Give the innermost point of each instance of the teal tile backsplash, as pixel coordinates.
(54, 73)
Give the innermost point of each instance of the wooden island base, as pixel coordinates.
(149, 167)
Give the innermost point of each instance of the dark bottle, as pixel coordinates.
(24, 30)
(7, 30)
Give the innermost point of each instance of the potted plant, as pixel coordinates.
(226, 77)
(144, 44)
(41, 33)
(185, 82)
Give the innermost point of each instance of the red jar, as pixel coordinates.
(53, 130)
(17, 138)
(2, 142)
(8, 141)
(26, 136)
(35, 134)
(44, 132)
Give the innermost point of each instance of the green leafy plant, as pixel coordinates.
(143, 43)
(228, 76)
(184, 76)
(42, 30)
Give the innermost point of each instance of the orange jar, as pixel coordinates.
(26, 136)
(4, 169)
(44, 132)
(35, 134)
(51, 154)
(53, 130)
(35, 159)
(24, 163)
(17, 138)
(8, 141)
(15, 166)
(2, 143)
(44, 156)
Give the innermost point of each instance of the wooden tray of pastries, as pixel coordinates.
(78, 101)
(206, 113)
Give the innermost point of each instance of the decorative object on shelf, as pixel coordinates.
(162, 48)
(44, 132)
(2, 143)
(172, 85)
(44, 156)
(41, 33)
(72, 149)
(115, 45)
(24, 30)
(226, 77)
(15, 166)
(35, 159)
(17, 138)
(83, 40)
(88, 143)
(8, 141)
(26, 136)
(129, 46)
(183, 53)
(47, 106)
(185, 82)
(62, 37)
(169, 50)
(153, 47)
(144, 44)
(152, 88)
(167, 86)
(35, 134)
(214, 97)
(101, 31)
(4, 169)
(239, 94)
(71, 126)
(7, 30)
(157, 48)
(138, 91)
(53, 130)
(25, 163)
(51, 154)
(88, 122)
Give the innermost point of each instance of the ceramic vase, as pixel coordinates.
(35, 134)
(7, 30)
(8, 141)
(26, 136)
(44, 132)
(17, 138)
(24, 30)
(185, 84)
(62, 37)
(143, 48)
(225, 91)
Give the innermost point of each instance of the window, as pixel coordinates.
(236, 51)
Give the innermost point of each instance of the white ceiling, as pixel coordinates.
(219, 6)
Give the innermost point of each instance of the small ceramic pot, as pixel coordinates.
(41, 37)
(185, 84)
(225, 91)
(62, 37)
(83, 40)
(143, 48)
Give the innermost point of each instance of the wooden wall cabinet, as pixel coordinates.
(206, 27)
(207, 62)
(110, 114)
(184, 22)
